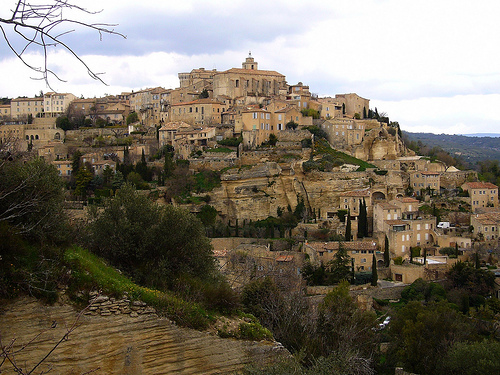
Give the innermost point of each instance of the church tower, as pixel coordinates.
(249, 63)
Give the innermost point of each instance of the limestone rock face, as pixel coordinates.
(121, 344)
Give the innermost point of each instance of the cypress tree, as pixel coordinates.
(425, 256)
(365, 218)
(361, 220)
(387, 257)
(348, 226)
(374, 271)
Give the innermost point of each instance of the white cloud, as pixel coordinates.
(430, 65)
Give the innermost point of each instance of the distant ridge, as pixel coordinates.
(471, 148)
(492, 135)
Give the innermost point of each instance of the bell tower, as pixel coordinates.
(249, 63)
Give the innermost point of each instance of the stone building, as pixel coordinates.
(248, 82)
(425, 180)
(482, 194)
(361, 251)
(486, 225)
(198, 112)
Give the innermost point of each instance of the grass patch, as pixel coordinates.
(91, 272)
(322, 147)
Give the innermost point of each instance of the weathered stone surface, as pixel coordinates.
(120, 344)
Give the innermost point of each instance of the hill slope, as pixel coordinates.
(469, 149)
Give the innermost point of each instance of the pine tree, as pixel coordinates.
(374, 271)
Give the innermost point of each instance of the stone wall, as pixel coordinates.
(121, 343)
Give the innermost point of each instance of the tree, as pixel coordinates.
(132, 118)
(348, 226)
(82, 181)
(422, 334)
(38, 27)
(387, 256)
(273, 139)
(374, 271)
(31, 195)
(339, 266)
(156, 245)
(203, 94)
(341, 326)
(291, 125)
(362, 220)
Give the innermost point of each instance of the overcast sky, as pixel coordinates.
(433, 66)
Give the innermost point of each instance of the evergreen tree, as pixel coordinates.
(425, 256)
(374, 271)
(362, 220)
(339, 268)
(348, 226)
(387, 256)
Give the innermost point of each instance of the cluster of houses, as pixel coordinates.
(212, 105)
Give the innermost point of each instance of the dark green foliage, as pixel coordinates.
(318, 132)
(31, 193)
(208, 215)
(62, 122)
(154, 244)
(132, 117)
(362, 220)
(342, 325)
(309, 112)
(450, 251)
(463, 275)
(426, 332)
(291, 125)
(272, 139)
(473, 358)
(231, 142)
(387, 256)
(348, 227)
(374, 271)
(421, 290)
(342, 214)
(339, 268)
(203, 94)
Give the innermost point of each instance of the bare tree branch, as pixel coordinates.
(36, 25)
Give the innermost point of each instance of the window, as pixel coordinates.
(254, 115)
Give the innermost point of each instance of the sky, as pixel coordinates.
(431, 65)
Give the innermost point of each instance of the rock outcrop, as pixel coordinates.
(121, 344)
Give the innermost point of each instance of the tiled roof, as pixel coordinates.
(253, 71)
(284, 258)
(481, 185)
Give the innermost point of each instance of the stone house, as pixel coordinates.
(64, 167)
(55, 104)
(330, 108)
(361, 251)
(486, 225)
(343, 132)
(4, 111)
(198, 112)
(353, 103)
(482, 194)
(425, 180)
(21, 108)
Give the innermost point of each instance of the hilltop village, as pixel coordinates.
(284, 173)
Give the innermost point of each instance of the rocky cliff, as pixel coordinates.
(120, 344)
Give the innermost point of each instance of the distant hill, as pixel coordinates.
(470, 148)
(492, 135)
